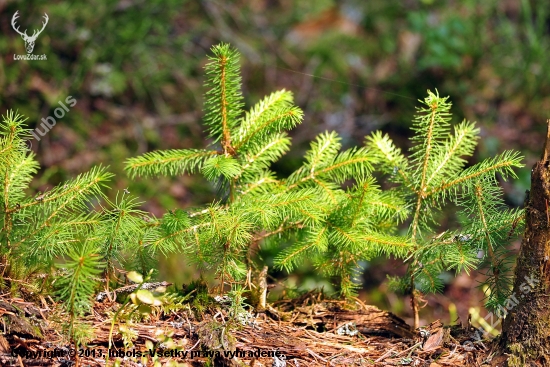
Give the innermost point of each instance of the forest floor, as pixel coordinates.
(308, 331)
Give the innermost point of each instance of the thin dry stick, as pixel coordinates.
(546, 152)
(385, 355)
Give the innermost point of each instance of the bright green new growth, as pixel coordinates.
(35, 230)
(76, 286)
(432, 177)
(334, 228)
(59, 229)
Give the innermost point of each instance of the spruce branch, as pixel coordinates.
(73, 196)
(309, 207)
(502, 164)
(450, 158)
(13, 135)
(224, 98)
(390, 158)
(435, 174)
(76, 287)
(169, 162)
(274, 114)
(260, 155)
(121, 224)
(225, 166)
(315, 242)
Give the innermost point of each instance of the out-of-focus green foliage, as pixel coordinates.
(356, 66)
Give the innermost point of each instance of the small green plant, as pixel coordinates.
(309, 215)
(37, 229)
(122, 229)
(434, 176)
(55, 242)
(77, 284)
(237, 314)
(139, 304)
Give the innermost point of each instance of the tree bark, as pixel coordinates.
(526, 329)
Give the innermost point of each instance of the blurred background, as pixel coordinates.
(135, 68)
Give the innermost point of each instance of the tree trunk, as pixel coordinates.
(526, 329)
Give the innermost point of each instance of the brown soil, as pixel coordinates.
(309, 331)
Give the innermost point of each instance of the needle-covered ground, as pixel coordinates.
(308, 331)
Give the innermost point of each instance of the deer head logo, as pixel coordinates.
(29, 41)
